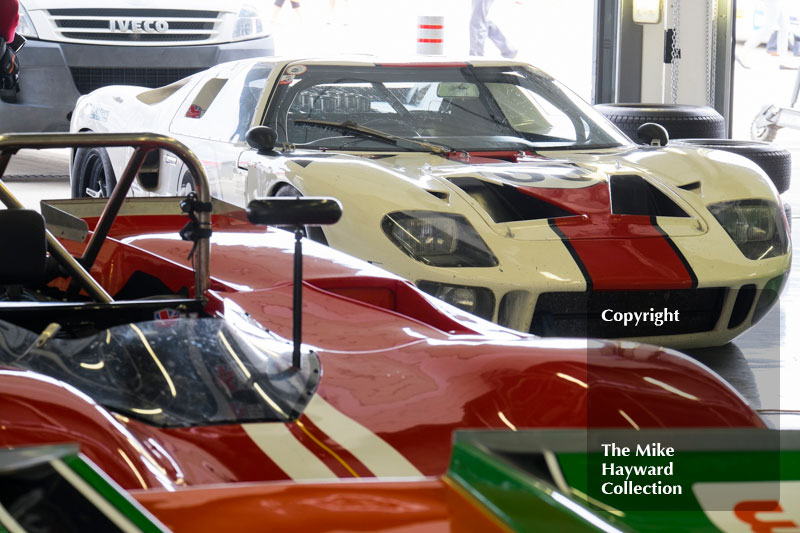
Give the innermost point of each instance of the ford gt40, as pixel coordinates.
(485, 183)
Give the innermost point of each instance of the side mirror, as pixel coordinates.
(297, 212)
(653, 134)
(262, 138)
(288, 211)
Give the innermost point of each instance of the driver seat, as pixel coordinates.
(24, 248)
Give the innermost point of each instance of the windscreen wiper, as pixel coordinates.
(348, 126)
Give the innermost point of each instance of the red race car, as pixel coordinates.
(159, 334)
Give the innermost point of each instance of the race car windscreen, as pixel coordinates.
(174, 373)
(460, 107)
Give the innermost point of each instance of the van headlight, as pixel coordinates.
(250, 23)
(25, 26)
(756, 226)
(438, 239)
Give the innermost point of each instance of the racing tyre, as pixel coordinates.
(314, 233)
(680, 121)
(92, 174)
(186, 184)
(775, 162)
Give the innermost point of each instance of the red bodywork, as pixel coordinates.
(425, 506)
(407, 370)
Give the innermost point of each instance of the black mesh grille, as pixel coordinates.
(579, 314)
(136, 37)
(88, 79)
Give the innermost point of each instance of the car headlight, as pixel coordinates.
(756, 226)
(438, 239)
(476, 300)
(250, 23)
(25, 25)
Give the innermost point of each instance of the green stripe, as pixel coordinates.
(519, 500)
(112, 494)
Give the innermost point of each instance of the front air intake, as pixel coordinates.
(506, 203)
(633, 195)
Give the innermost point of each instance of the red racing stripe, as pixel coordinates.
(338, 459)
(615, 252)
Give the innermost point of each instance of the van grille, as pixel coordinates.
(135, 26)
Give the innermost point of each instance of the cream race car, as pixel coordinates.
(486, 183)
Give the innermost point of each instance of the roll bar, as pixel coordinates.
(142, 143)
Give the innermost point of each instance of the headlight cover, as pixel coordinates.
(756, 226)
(438, 239)
(250, 23)
(25, 26)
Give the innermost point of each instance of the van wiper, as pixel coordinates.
(348, 126)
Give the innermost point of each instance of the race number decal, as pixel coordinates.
(758, 507)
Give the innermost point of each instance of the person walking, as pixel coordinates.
(480, 27)
(279, 5)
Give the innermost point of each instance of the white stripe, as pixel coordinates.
(111, 512)
(6, 520)
(287, 452)
(375, 453)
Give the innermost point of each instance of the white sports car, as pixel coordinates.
(486, 183)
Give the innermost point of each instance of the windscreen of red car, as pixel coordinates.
(175, 372)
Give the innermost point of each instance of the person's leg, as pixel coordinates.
(769, 25)
(499, 39)
(277, 10)
(296, 7)
(478, 26)
(783, 29)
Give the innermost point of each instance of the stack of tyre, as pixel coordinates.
(702, 127)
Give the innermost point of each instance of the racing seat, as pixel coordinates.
(24, 245)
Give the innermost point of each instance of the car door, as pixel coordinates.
(214, 121)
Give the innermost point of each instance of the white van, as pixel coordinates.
(76, 46)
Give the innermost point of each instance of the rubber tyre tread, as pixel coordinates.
(680, 121)
(775, 162)
(78, 180)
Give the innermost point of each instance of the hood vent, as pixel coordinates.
(506, 203)
(633, 195)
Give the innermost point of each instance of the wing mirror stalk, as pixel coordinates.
(297, 212)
